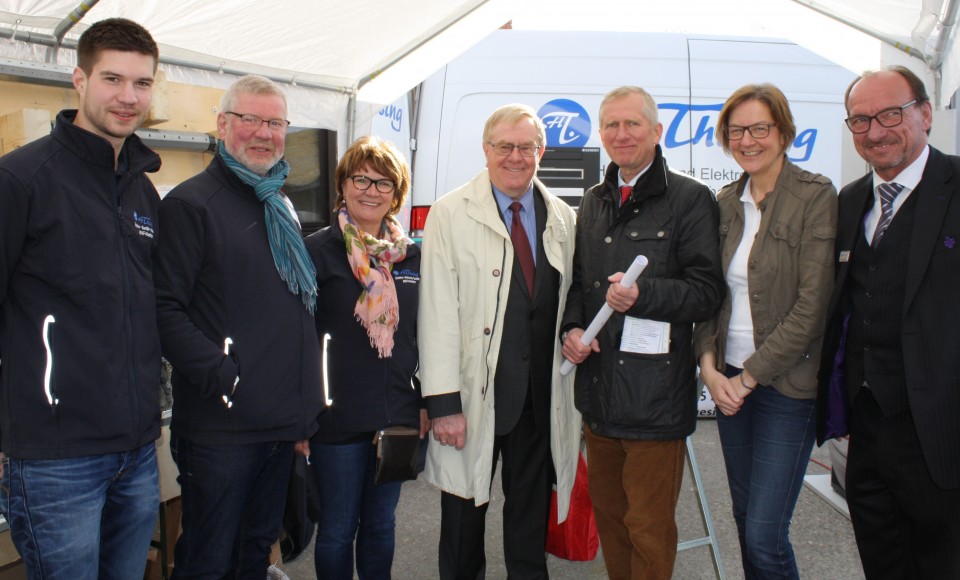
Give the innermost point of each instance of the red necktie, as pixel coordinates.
(625, 191)
(521, 246)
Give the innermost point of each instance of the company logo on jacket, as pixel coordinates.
(143, 224)
(405, 276)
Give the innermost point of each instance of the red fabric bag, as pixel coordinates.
(576, 538)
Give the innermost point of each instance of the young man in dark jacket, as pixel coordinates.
(236, 292)
(79, 408)
(639, 398)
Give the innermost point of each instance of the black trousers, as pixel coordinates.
(905, 525)
(527, 477)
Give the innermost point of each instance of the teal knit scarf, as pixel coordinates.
(286, 243)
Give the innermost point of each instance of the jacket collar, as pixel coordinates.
(934, 195)
(218, 168)
(653, 182)
(96, 150)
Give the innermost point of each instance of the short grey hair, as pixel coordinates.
(649, 105)
(250, 85)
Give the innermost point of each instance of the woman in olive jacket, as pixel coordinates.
(759, 357)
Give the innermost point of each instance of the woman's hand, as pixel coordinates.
(726, 393)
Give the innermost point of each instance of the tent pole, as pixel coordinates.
(351, 118)
(68, 22)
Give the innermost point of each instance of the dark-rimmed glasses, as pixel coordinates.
(757, 131)
(887, 118)
(254, 122)
(506, 149)
(363, 183)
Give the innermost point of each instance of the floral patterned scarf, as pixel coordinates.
(377, 307)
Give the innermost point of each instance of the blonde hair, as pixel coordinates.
(513, 113)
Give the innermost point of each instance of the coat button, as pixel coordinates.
(487, 331)
(634, 234)
(660, 234)
(496, 272)
(608, 239)
(596, 284)
(620, 361)
(636, 210)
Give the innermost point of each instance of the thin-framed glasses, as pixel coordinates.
(506, 149)
(757, 131)
(363, 183)
(254, 122)
(887, 118)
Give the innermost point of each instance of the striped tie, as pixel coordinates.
(888, 193)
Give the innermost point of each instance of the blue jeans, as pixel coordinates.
(233, 498)
(766, 448)
(351, 506)
(83, 518)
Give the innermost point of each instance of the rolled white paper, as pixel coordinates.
(629, 277)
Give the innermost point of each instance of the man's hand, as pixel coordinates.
(619, 298)
(451, 430)
(303, 448)
(424, 423)
(574, 351)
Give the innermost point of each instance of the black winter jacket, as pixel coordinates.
(364, 392)
(78, 330)
(216, 280)
(673, 220)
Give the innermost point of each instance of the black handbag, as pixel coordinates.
(397, 454)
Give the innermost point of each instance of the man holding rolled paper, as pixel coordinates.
(636, 382)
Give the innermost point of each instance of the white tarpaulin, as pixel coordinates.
(849, 37)
(376, 50)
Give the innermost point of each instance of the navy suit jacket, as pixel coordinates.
(930, 322)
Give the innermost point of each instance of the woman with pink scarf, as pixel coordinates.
(368, 279)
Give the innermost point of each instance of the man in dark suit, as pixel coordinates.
(898, 274)
(497, 259)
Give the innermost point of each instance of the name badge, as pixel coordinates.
(845, 256)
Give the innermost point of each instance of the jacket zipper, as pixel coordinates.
(52, 400)
(128, 306)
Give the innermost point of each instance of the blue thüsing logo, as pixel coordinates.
(567, 123)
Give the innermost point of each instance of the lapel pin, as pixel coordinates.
(949, 242)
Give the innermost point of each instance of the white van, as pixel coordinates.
(564, 75)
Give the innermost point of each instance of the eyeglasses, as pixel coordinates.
(254, 122)
(363, 183)
(757, 131)
(887, 118)
(506, 149)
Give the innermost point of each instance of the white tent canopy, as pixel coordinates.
(374, 51)
(857, 34)
(329, 50)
